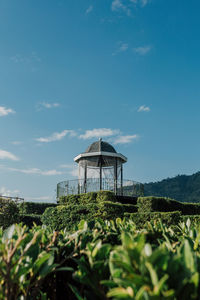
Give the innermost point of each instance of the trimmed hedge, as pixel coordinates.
(29, 220)
(92, 197)
(29, 208)
(9, 212)
(168, 218)
(68, 216)
(161, 204)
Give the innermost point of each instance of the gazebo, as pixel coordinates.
(100, 167)
(104, 164)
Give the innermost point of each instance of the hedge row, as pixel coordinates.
(168, 218)
(161, 204)
(92, 197)
(68, 216)
(29, 208)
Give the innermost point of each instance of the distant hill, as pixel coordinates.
(184, 188)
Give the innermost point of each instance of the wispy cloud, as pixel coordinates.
(8, 155)
(47, 105)
(121, 47)
(127, 6)
(144, 2)
(118, 6)
(125, 139)
(144, 108)
(98, 133)
(17, 143)
(34, 171)
(5, 111)
(9, 193)
(19, 58)
(143, 50)
(89, 9)
(56, 136)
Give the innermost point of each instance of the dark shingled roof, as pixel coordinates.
(100, 146)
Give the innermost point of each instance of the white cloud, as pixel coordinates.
(56, 136)
(125, 139)
(47, 105)
(7, 155)
(144, 108)
(36, 171)
(117, 5)
(9, 193)
(18, 58)
(5, 111)
(99, 133)
(66, 166)
(144, 2)
(16, 143)
(89, 9)
(143, 50)
(122, 47)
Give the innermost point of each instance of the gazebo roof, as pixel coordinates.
(100, 149)
(100, 146)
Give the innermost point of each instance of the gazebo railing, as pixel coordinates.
(125, 188)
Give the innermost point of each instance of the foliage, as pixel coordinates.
(87, 198)
(9, 212)
(23, 263)
(68, 216)
(149, 204)
(30, 208)
(169, 218)
(182, 188)
(101, 260)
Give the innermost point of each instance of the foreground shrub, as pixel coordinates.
(88, 264)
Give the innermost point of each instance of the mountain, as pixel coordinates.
(184, 188)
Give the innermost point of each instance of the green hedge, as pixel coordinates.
(68, 216)
(29, 208)
(29, 220)
(168, 218)
(161, 204)
(9, 212)
(87, 198)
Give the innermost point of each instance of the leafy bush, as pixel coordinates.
(168, 218)
(9, 212)
(34, 207)
(87, 198)
(87, 264)
(68, 216)
(161, 204)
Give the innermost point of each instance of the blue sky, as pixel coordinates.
(73, 71)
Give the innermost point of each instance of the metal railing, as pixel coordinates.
(125, 188)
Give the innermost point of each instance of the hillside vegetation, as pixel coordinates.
(184, 188)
